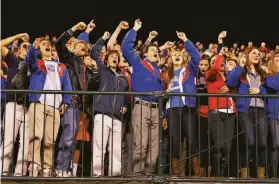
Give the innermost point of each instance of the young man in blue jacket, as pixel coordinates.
(145, 78)
(45, 109)
(109, 110)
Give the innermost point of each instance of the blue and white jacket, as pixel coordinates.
(234, 80)
(38, 76)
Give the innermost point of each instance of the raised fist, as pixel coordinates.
(242, 61)
(181, 36)
(152, 35)
(123, 25)
(106, 35)
(168, 45)
(36, 43)
(23, 37)
(137, 25)
(222, 35)
(80, 26)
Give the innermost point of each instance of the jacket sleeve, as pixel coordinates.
(195, 57)
(63, 53)
(66, 86)
(12, 61)
(273, 82)
(84, 37)
(211, 74)
(95, 53)
(234, 76)
(127, 48)
(263, 89)
(31, 58)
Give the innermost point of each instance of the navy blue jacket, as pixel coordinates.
(110, 82)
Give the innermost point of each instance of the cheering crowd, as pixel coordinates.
(52, 129)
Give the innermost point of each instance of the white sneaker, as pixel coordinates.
(34, 172)
(62, 174)
(46, 172)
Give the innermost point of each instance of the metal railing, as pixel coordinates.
(196, 146)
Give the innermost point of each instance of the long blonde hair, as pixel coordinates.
(272, 66)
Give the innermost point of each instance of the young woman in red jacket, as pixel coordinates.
(221, 116)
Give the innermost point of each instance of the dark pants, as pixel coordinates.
(203, 139)
(221, 129)
(254, 124)
(181, 122)
(66, 145)
(273, 125)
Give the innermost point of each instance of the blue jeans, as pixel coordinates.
(66, 145)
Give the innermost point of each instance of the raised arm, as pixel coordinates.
(85, 35)
(113, 38)
(32, 55)
(151, 36)
(95, 52)
(221, 44)
(7, 41)
(234, 76)
(211, 74)
(192, 51)
(127, 45)
(60, 44)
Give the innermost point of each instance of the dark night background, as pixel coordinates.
(200, 20)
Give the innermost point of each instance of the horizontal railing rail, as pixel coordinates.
(164, 166)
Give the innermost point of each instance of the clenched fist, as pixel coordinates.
(23, 37)
(137, 25)
(181, 36)
(80, 26)
(123, 25)
(106, 35)
(152, 35)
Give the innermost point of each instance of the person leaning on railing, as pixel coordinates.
(45, 109)
(249, 78)
(272, 83)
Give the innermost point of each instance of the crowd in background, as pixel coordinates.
(54, 133)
